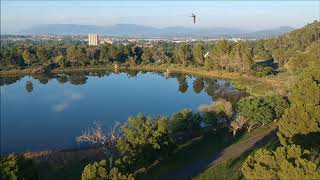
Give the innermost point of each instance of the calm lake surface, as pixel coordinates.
(49, 111)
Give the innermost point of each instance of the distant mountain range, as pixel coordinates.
(133, 30)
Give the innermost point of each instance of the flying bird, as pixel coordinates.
(194, 18)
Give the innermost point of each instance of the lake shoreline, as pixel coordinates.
(257, 86)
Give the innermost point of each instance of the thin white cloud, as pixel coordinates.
(76, 96)
(67, 99)
(60, 107)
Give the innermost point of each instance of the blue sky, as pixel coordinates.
(250, 15)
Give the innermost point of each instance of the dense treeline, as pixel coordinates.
(299, 135)
(293, 51)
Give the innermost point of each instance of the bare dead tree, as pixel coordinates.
(106, 141)
(237, 124)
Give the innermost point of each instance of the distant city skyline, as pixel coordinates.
(249, 15)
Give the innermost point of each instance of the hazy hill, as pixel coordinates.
(133, 30)
(273, 32)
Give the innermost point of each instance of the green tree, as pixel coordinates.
(279, 55)
(144, 139)
(242, 57)
(278, 104)
(284, 163)
(81, 55)
(147, 56)
(299, 121)
(219, 56)
(16, 167)
(138, 51)
(92, 53)
(100, 171)
(184, 53)
(104, 55)
(247, 58)
(255, 111)
(96, 171)
(184, 121)
(42, 54)
(198, 53)
(60, 60)
(72, 54)
(307, 89)
(260, 52)
(27, 57)
(297, 63)
(115, 174)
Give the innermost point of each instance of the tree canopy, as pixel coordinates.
(284, 163)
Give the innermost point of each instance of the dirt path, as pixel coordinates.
(232, 151)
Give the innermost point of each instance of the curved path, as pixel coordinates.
(232, 151)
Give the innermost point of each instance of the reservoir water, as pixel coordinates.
(49, 111)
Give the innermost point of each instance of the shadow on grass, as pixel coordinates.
(201, 154)
(231, 168)
(193, 158)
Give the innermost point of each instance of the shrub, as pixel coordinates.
(261, 110)
(307, 90)
(143, 141)
(16, 167)
(284, 163)
(299, 120)
(263, 71)
(255, 110)
(100, 171)
(184, 120)
(96, 171)
(220, 110)
(278, 104)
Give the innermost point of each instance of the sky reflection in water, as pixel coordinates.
(48, 112)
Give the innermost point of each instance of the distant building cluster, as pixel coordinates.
(93, 39)
(106, 41)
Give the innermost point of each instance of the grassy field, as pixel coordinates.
(231, 169)
(201, 149)
(70, 170)
(191, 152)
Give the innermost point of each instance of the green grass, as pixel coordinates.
(70, 170)
(259, 87)
(246, 135)
(191, 152)
(231, 169)
(203, 148)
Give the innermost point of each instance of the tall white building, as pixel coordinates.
(93, 39)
